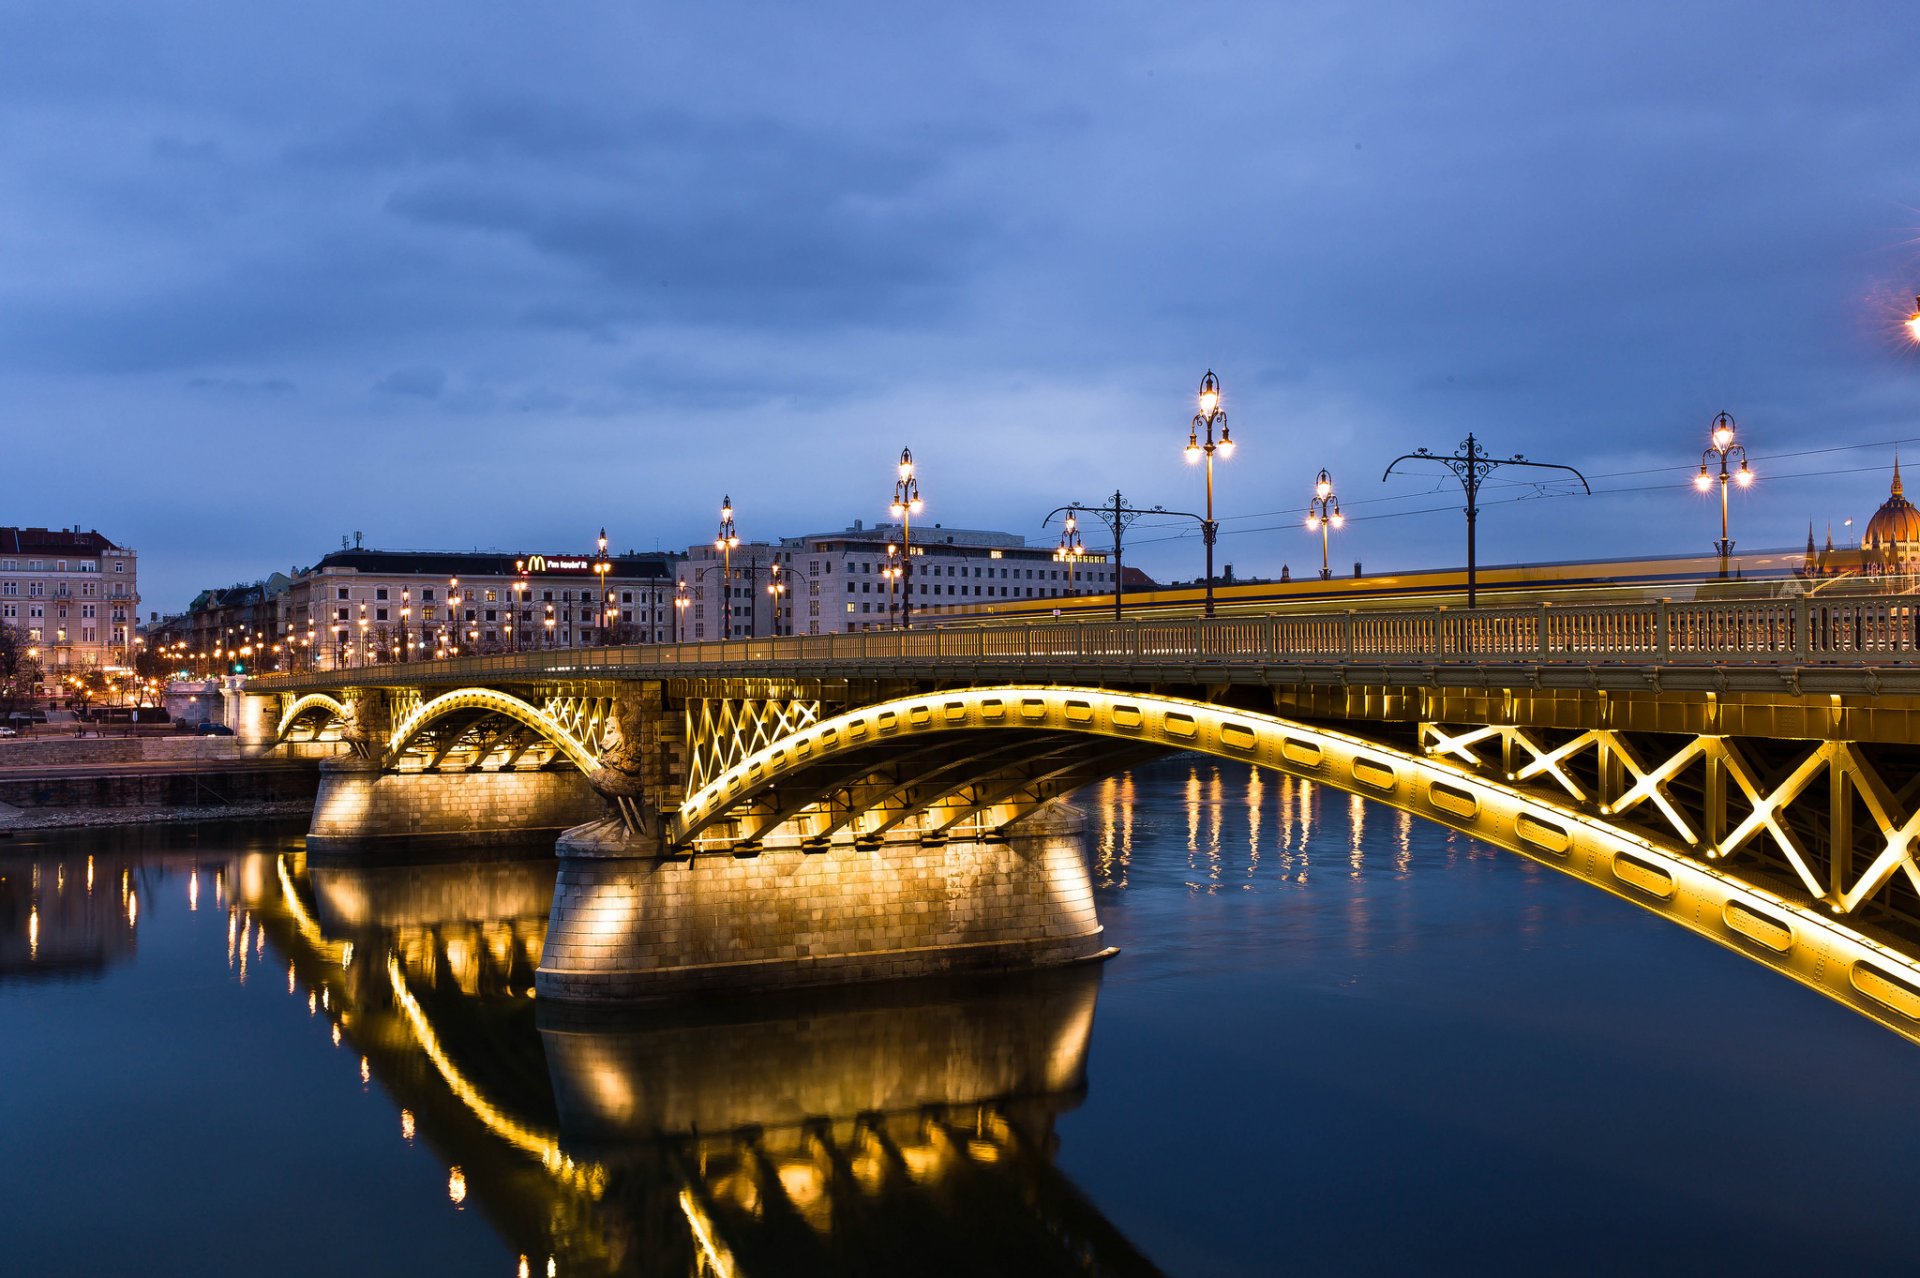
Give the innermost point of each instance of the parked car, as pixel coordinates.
(212, 729)
(8, 732)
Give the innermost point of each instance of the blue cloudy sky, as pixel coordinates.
(497, 273)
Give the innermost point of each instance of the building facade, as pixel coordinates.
(227, 629)
(365, 606)
(849, 580)
(73, 595)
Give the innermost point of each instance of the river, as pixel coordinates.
(1336, 1040)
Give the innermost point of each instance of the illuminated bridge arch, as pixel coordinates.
(317, 708)
(481, 703)
(977, 760)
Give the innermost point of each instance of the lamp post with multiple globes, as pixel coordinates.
(1723, 447)
(1071, 549)
(906, 504)
(890, 569)
(776, 587)
(725, 542)
(1323, 513)
(1201, 444)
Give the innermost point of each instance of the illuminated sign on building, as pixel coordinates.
(557, 563)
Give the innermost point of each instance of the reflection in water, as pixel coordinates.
(899, 1127)
(54, 925)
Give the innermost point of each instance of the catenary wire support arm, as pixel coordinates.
(1118, 516)
(1471, 465)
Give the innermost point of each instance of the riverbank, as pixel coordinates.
(15, 820)
(82, 783)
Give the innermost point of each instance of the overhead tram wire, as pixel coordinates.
(1687, 467)
(1772, 479)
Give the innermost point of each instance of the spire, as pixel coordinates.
(1809, 536)
(1896, 472)
(1829, 536)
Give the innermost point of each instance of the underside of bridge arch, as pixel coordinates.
(980, 761)
(311, 717)
(472, 728)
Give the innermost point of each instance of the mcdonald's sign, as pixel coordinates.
(557, 563)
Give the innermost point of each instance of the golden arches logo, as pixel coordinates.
(536, 563)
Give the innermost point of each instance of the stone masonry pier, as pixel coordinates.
(365, 809)
(630, 927)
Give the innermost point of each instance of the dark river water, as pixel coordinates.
(1335, 1041)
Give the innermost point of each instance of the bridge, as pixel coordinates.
(811, 809)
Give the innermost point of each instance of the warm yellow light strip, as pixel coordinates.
(718, 1257)
(303, 922)
(539, 1144)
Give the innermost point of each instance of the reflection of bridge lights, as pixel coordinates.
(313, 1003)
(193, 892)
(336, 1033)
(33, 932)
(133, 908)
(290, 978)
(366, 1072)
(406, 1126)
(802, 1183)
(456, 1186)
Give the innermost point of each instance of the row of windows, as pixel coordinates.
(37, 589)
(951, 570)
(492, 596)
(59, 565)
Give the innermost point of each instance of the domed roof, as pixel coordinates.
(1896, 520)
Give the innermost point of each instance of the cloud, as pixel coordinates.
(423, 382)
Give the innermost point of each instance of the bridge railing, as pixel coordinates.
(1869, 629)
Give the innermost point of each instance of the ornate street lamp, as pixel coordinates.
(724, 543)
(1721, 448)
(776, 586)
(601, 567)
(891, 571)
(1204, 421)
(1323, 513)
(906, 504)
(1071, 548)
(681, 600)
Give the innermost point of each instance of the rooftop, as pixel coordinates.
(27, 541)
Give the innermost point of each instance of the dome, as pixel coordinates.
(1896, 522)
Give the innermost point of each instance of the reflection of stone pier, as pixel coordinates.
(898, 1128)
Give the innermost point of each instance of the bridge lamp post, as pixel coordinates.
(516, 610)
(1323, 513)
(891, 571)
(1721, 449)
(776, 586)
(406, 615)
(363, 635)
(906, 504)
(601, 567)
(725, 542)
(549, 625)
(1204, 421)
(453, 616)
(1071, 548)
(681, 601)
